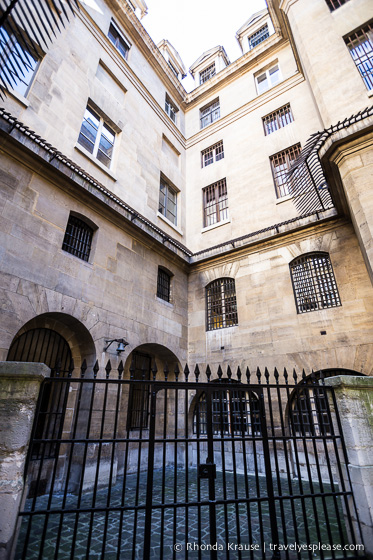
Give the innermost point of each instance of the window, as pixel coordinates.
(168, 201)
(215, 203)
(210, 113)
(17, 66)
(163, 284)
(78, 238)
(118, 41)
(211, 154)
(280, 164)
(334, 4)
(259, 36)
(221, 304)
(360, 45)
(234, 412)
(314, 283)
(207, 73)
(171, 109)
(97, 137)
(173, 69)
(138, 399)
(278, 119)
(268, 79)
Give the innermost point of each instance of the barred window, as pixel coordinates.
(168, 201)
(207, 73)
(360, 45)
(215, 203)
(280, 164)
(163, 284)
(334, 4)
(17, 65)
(138, 399)
(210, 113)
(314, 283)
(221, 304)
(278, 119)
(259, 36)
(97, 137)
(118, 41)
(78, 238)
(170, 108)
(211, 154)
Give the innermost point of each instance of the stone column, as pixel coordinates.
(19, 391)
(355, 404)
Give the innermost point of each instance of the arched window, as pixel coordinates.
(50, 348)
(234, 412)
(221, 304)
(78, 238)
(313, 282)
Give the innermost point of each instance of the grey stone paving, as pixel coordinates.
(82, 536)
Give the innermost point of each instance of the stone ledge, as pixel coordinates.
(24, 370)
(351, 381)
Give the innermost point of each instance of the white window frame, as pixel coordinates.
(171, 108)
(163, 206)
(267, 77)
(211, 110)
(262, 37)
(102, 128)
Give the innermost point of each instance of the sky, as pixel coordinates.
(194, 26)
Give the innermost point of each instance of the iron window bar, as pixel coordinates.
(360, 45)
(278, 119)
(212, 153)
(334, 4)
(280, 164)
(314, 283)
(163, 285)
(78, 238)
(207, 73)
(221, 304)
(259, 36)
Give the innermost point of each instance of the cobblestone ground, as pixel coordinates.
(72, 535)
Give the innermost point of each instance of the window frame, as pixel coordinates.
(268, 72)
(99, 135)
(221, 304)
(261, 36)
(211, 112)
(281, 117)
(335, 4)
(314, 283)
(215, 154)
(164, 284)
(207, 73)
(280, 168)
(219, 203)
(119, 39)
(82, 237)
(170, 108)
(363, 58)
(164, 209)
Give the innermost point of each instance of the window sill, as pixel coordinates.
(159, 215)
(370, 93)
(284, 198)
(13, 93)
(95, 161)
(218, 224)
(164, 302)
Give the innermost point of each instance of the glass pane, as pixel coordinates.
(274, 75)
(262, 82)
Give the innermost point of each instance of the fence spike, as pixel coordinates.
(132, 368)
(276, 375)
(186, 372)
(83, 368)
(196, 372)
(322, 377)
(208, 373)
(266, 375)
(248, 375)
(154, 370)
(229, 373)
(295, 377)
(57, 367)
(108, 369)
(144, 371)
(166, 371)
(239, 374)
(220, 372)
(177, 371)
(120, 369)
(71, 368)
(258, 374)
(96, 368)
(313, 377)
(286, 376)
(304, 376)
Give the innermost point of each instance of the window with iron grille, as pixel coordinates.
(334, 4)
(168, 201)
(211, 154)
(221, 304)
(234, 412)
(78, 238)
(360, 45)
(259, 36)
(210, 113)
(97, 137)
(280, 164)
(138, 399)
(314, 283)
(163, 284)
(17, 66)
(170, 108)
(278, 119)
(118, 41)
(215, 203)
(207, 73)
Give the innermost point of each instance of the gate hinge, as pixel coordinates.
(207, 470)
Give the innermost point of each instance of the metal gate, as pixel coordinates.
(244, 466)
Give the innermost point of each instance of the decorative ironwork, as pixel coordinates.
(314, 283)
(278, 119)
(221, 305)
(280, 164)
(163, 284)
(360, 45)
(119, 491)
(32, 26)
(215, 203)
(78, 238)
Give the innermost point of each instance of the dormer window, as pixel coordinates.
(259, 36)
(118, 41)
(207, 73)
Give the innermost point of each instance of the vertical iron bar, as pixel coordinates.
(210, 460)
(149, 486)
